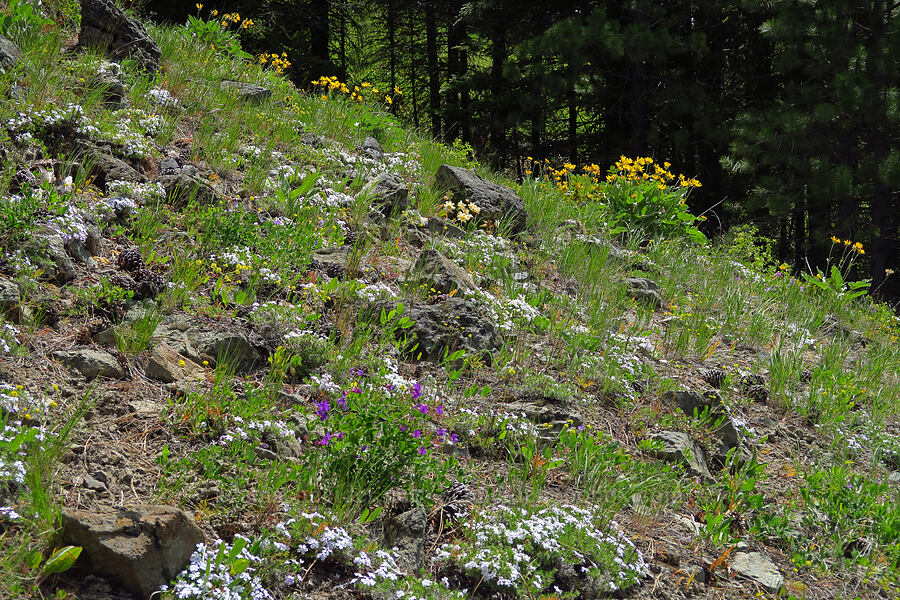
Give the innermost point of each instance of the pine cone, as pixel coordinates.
(457, 501)
(131, 260)
(748, 381)
(149, 284)
(757, 393)
(714, 377)
(121, 280)
(350, 237)
(96, 325)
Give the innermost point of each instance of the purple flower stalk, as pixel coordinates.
(416, 391)
(322, 408)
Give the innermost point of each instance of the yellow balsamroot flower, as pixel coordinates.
(835, 240)
(199, 6)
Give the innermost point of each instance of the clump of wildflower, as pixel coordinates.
(519, 549)
(213, 574)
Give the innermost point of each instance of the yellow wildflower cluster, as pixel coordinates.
(278, 63)
(358, 93)
(638, 169)
(855, 246)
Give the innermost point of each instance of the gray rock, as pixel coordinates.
(437, 272)
(9, 54)
(455, 324)
(405, 533)
(108, 29)
(334, 262)
(90, 363)
(894, 477)
(111, 86)
(169, 166)
(18, 94)
(79, 251)
(58, 267)
(182, 188)
(497, 203)
(141, 548)
(758, 568)
(387, 193)
(371, 147)
(106, 168)
(165, 364)
(444, 228)
(553, 414)
(9, 295)
(689, 402)
(645, 290)
(247, 91)
(92, 483)
(231, 346)
(678, 446)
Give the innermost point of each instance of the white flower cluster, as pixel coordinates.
(16, 399)
(139, 192)
(163, 98)
(371, 572)
(461, 211)
(377, 291)
(324, 542)
(510, 547)
(16, 441)
(518, 424)
(209, 578)
(242, 430)
(70, 225)
(325, 383)
(8, 333)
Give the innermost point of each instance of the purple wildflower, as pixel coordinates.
(417, 433)
(422, 408)
(416, 391)
(454, 438)
(342, 401)
(403, 428)
(322, 408)
(423, 450)
(439, 410)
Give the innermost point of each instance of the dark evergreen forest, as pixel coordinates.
(787, 111)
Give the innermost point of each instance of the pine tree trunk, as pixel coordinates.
(434, 74)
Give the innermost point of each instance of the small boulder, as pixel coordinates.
(645, 290)
(759, 568)
(141, 548)
(455, 324)
(9, 54)
(168, 366)
(334, 262)
(689, 402)
(106, 28)
(106, 168)
(388, 194)
(57, 266)
(441, 274)
(181, 188)
(9, 296)
(496, 203)
(405, 533)
(372, 148)
(552, 414)
(678, 446)
(90, 363)
(231, 346)
(247, 91)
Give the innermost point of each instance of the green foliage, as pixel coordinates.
(216, 33)
(22, 16)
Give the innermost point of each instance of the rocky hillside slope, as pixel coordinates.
(263, 343)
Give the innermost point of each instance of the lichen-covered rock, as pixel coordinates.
(90, 363)
(142, 548)
(496, 203)
(440, 274)
(9, 53)
(455, 324)
(106, 28)
(680, 447)
(247, 91)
